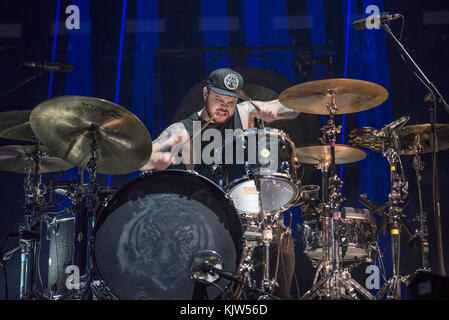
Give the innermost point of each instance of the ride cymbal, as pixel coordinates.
(350, 96)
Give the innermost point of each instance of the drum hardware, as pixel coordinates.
(334, 278)
(398, 193)
(421, 233)
(35, 75)
(432, 99)
(207, 267)
(246, 266)
(30, 230)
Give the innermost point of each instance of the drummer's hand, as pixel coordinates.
(159, 161)
(270, 111)
(268, 115)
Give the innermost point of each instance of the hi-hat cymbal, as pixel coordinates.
(350, 96)
(409, 135)
(321, 153)
(67, 125)
(17, 158)
(15, 125)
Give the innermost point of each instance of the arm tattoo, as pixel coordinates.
(175, 129)
(286, 113)
(165, 148)
(281, 111)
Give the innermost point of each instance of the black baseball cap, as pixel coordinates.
(225, 81)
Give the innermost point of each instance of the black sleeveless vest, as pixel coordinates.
(233, 123)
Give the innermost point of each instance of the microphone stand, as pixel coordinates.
(437, 97)
(17, 86)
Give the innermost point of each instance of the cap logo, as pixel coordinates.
(231, 81)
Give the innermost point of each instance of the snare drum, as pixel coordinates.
(269, 154)
(359, 235)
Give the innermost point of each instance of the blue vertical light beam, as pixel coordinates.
(53, 54)
(348, 16)
(117, 87)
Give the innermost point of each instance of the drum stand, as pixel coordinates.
(267, 285)
(334, 278)
(398, 193)
(91, 201)
(84, 201)
(421, 233)
(29, 232)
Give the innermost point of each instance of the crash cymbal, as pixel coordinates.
(15, 125)
(319, 153)
(17, 158)
(350, 96)
(409, 135)
(67, 125)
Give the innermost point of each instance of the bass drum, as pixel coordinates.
(147, 234)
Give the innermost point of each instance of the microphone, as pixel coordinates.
(391, 126)
(207, 267)
(49, 66)
(383, 18)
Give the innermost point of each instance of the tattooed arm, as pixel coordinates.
(162, 156)
(269, 110)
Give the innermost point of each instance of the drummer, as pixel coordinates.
(221, 110)
(220, 101)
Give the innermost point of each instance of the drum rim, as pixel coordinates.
(271, 132)
(101, 215)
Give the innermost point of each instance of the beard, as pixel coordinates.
(221, 115)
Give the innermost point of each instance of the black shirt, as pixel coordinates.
(233, 123)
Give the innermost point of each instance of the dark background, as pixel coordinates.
(152, 57)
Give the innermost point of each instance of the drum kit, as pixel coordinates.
(170, 234)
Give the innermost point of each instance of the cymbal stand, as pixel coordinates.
(91, 201)
(396, 197)
(267, 284)
(29, 232)
(421, 232)
(334, 278)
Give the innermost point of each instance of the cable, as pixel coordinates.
(6, 279)
(223, 293)
(402, 27)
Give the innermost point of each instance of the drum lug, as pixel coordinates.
(193, 172)
(285, 166)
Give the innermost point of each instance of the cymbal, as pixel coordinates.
(350, 95)
(319, 153)
(408, 136)
(15, 125)
(67, 125)
(17, 158)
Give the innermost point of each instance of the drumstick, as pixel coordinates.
(196, 133)
(245, 97)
